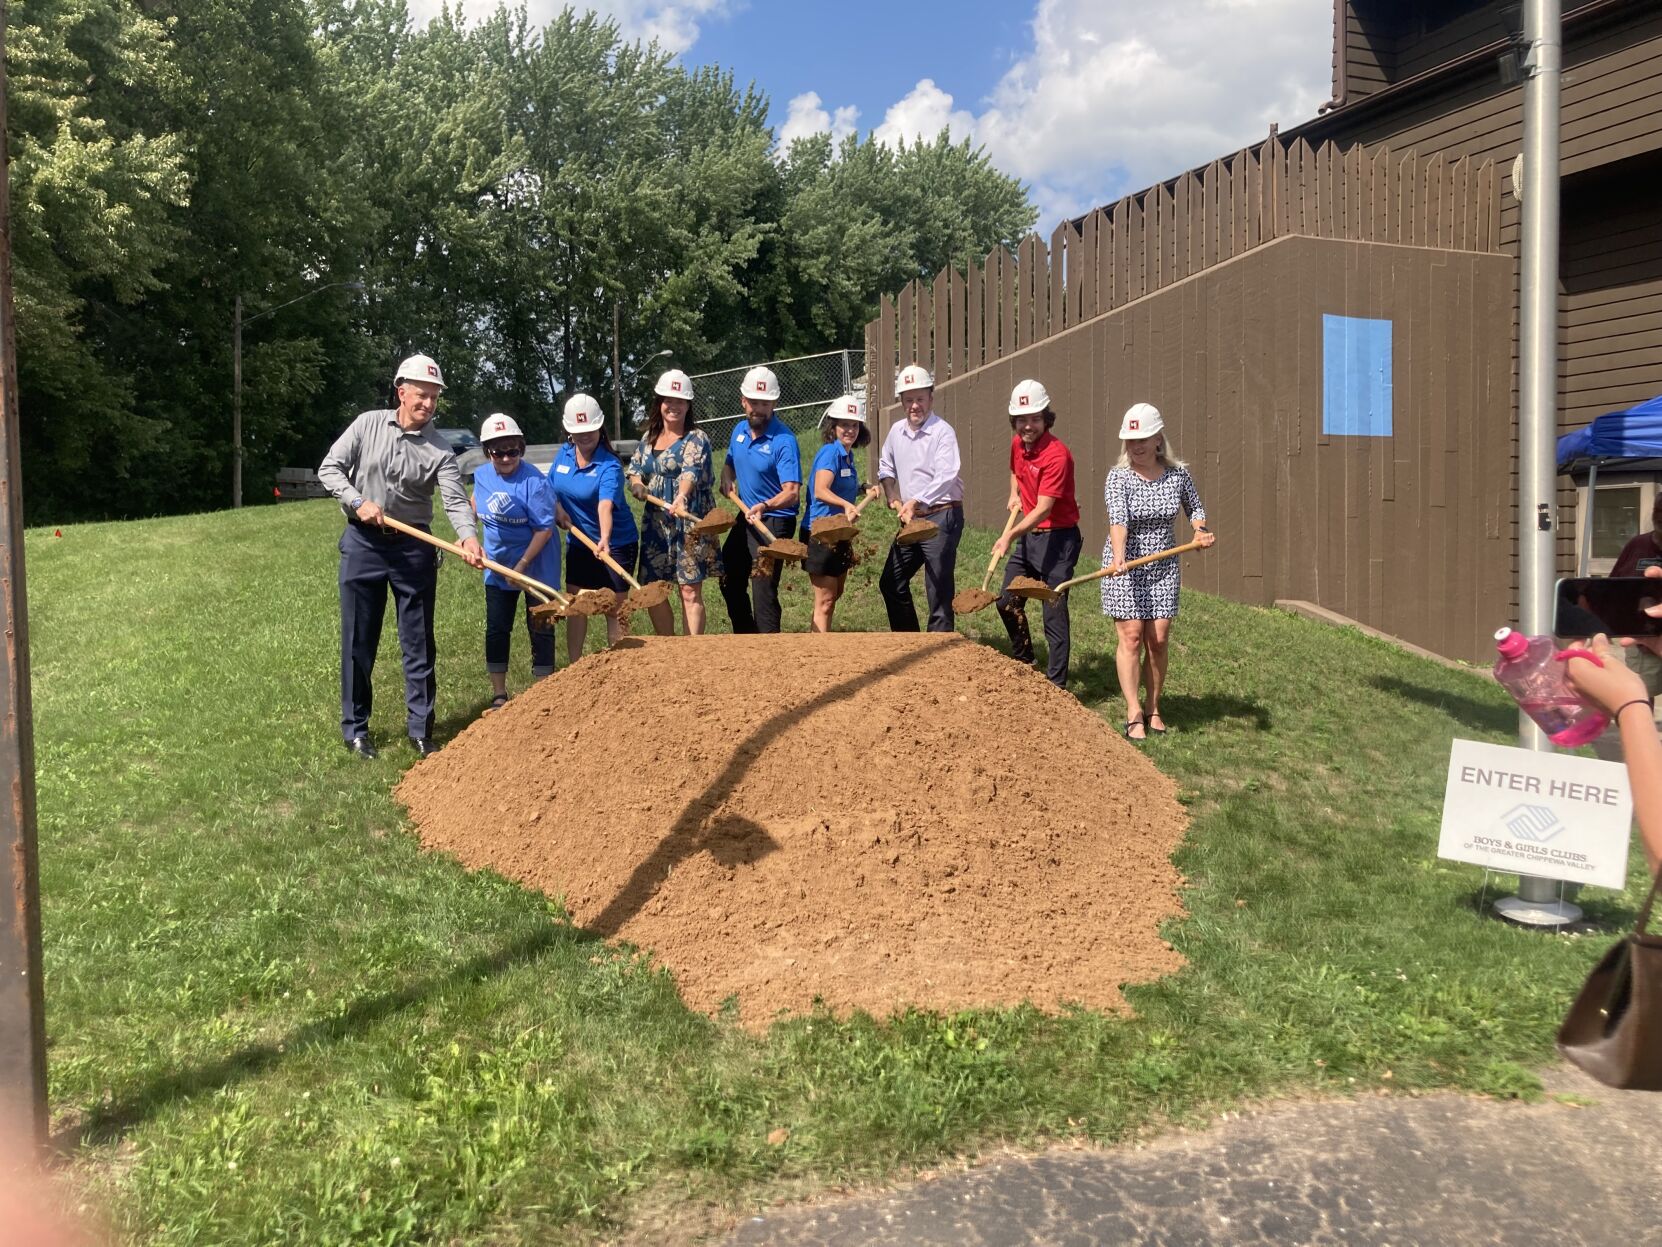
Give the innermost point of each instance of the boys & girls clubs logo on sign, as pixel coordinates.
(1551, 815)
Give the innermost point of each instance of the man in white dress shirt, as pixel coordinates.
(919, 472)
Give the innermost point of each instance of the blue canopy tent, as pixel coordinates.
(1631, 438)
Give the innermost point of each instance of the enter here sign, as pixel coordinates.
(1552, 815)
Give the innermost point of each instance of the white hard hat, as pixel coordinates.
(674, 384)
(498, 425)
(760, 383)
(1141, 420)
(419, 368)
(582, 415)
(845, 408)
(1029, 396)
(913, 377)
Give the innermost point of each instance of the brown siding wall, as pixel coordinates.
(1612, 112)
(1610, 317)
(1369, 51)
(1407, 533)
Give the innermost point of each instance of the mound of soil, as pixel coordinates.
(867, 820)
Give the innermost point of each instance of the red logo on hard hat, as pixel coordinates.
(676, 386)
(432, 370)
(1023, 400)
(1136, 424)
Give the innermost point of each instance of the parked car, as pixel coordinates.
(459, 439)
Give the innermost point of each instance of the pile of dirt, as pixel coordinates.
(867, 820)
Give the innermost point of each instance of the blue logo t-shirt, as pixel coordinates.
(581, 489)
(511, 509)
(837, 459)
(761, 464)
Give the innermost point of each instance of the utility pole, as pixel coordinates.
(1538, 901)
(236, 403)
(22, 1008)
(617, 377)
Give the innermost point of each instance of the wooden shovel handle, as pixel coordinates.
(732, 495)
(659, 502)
(1015, 515)
(1147, 558)
(547, 592)
(604, 558)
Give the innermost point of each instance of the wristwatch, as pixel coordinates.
(355, 503)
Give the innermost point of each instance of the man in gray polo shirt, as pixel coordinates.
(388, 463)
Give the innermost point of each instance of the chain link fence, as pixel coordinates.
(807, 385)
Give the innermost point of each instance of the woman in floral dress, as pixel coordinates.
(1144, 492)
(673, 463)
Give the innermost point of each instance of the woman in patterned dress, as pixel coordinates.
(673, 463)
(1144, 492)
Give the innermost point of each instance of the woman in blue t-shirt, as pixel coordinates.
(587, 482)
(833, 485)
(516, 519)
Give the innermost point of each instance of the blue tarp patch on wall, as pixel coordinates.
(1356, 377)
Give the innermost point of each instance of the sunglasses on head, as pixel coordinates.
(505, 452)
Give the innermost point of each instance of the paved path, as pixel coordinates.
(1438, 1171)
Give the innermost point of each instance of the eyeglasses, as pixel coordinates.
(505, 452)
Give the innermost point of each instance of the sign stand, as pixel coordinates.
(1539, 903)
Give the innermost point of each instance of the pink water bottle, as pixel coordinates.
(1527, 669)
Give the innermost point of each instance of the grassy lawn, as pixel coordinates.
(272, 1019)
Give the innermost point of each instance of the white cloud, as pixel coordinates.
(806, 115)
(673, 23)
(923, 113)
(1116, 95)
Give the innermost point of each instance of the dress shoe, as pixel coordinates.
(424, 746)
(360, 745)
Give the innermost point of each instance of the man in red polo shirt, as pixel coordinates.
(1044, 544)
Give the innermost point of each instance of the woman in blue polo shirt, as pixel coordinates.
(765, 466)
(587, 482)
(516, 520)
(833, 485)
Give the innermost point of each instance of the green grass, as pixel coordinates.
(273, 1019)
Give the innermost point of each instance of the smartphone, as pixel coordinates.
(1613, 605)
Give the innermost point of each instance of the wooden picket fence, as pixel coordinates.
(963, 320)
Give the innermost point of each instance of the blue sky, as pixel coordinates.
(1083, 100)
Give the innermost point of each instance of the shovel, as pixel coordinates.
(830, 530)
(713, 524)
(554, 604)
(1027, 587)
(966, 601)
(781, 548)
(639, 598)
(916, 530)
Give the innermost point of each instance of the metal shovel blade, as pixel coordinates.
(645, 597)
(830, 530)
(1027, 587)
(967, 601)
(916, 531)
(715, 522)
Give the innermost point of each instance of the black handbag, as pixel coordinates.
(1614, 1028)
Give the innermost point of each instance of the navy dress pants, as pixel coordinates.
(739, 587)
(938, 557)
(370, 562)
(1048, 555)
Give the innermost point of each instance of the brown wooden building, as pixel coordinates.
(1432, 76)
(1328, 320)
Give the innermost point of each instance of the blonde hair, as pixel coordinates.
(1163, 456)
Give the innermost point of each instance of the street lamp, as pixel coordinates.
(634, 375)
(237, 322)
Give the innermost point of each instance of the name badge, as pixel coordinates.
(846, 472)
(562, 468)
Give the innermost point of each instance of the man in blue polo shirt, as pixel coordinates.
(764, 462)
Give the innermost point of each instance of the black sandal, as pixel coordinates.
(1149, 727)
(1136, 740)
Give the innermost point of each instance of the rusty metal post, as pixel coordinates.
(22, 1012)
